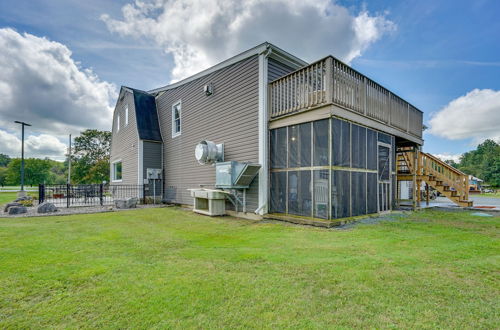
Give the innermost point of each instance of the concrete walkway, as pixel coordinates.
(490, 203)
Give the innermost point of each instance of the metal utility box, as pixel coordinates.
(235, 175)
(153, 173)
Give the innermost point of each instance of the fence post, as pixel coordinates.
(101, 194)
(143, 193)
(67, 195)
(41, 193)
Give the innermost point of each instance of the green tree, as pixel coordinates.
(4, 160)
(3, 176)
(484, 162)
(90, 161)
(36, 171)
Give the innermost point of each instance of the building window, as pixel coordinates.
(126, 114)
(117, 171)
(176, 119)
(118, 123)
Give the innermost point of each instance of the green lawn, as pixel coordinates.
(496, 195)
(6, 197)
(169, 268)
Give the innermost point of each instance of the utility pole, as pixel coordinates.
(22, 192)
(69, 161)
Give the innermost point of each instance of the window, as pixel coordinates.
(126, 114)
(117, 171)
(176, 119)
(118, 123)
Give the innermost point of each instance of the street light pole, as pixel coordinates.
(69, 161)
(22, 152)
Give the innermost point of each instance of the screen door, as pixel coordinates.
(384, 177)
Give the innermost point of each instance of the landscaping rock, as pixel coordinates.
(128, 203)
(23, 198)
(46, 208)
(17, 210)
(9, 205)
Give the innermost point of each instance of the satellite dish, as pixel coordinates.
(207, 152)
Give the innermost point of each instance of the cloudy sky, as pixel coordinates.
(62, 61)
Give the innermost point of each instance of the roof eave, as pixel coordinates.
(257, 50)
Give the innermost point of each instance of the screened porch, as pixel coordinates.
(331, 169)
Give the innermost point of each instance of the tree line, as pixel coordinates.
(89, 163)
(483, 162)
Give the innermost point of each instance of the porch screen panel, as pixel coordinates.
(321, 193)
(320, 142)
(371, 149)
(384, 138)
(278, 192)
(358, 193)
(383, 163)
(299, 193)
(358, 146)
(299, 145)
(341, 144)
(393, 156)
(371, 193)
(278, 147)
(341, 194)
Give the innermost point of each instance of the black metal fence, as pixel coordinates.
(68, 195)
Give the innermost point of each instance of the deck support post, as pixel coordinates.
(427, 197)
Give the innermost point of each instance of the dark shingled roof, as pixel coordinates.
(146, 116)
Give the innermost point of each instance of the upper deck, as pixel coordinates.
(331, 82)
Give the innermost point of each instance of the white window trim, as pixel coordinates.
(174, 133)
(126, 114)
(113, 170)
(118, 123)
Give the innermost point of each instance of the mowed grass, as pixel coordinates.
(6, 197)
(495, 194)
(170, 268)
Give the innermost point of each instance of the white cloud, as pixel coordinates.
(475, 116)
(446, 156)
(36, 146)
(42, 84)
(200, 33)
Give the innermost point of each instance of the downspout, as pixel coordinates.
(263, 131)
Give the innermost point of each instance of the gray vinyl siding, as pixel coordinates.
(277, 70)
(124, 143)
(151, 156)
(229, 116)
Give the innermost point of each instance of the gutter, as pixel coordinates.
(263, 130)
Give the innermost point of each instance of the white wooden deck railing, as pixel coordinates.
(330, 81)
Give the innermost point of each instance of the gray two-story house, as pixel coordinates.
(325, 136)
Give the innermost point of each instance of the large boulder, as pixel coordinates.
(128, 203)
(46, 208)
(17, 210)
(23, 198)
(9, 205)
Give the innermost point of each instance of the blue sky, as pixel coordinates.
(428, 52)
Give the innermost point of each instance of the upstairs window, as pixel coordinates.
(176, 119)
(126, 114)
(118, 123)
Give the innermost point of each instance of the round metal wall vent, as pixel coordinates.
(207, 152)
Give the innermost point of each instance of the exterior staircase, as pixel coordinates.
(417, 166)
